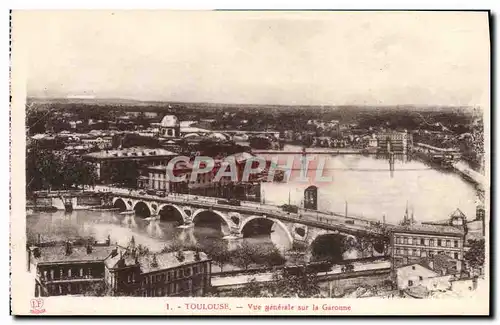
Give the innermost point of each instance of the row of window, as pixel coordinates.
(65, 289)
(174, 275)
(54, 274)
(423, 253)
(426, 241)
(173, 288)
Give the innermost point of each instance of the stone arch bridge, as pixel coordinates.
(303, 227)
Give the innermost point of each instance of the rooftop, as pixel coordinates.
(168, 260)
(429, 229)
(57, 254)
(131, 152)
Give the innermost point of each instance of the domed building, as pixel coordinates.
(170, 127)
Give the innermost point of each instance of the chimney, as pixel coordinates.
(39, 239)
(154, 262)
(180, 256)
(68, 248)
(89, 248)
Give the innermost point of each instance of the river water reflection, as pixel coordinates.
(364, 182)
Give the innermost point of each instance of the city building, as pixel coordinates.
(396, 142)
(123, 159)
(412, 241)
(100, 269)
(156, 177)
(68, 269)
(170, 127)
(182, 273)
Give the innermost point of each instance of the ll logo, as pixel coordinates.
(37, 306)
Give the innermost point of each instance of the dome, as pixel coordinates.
(170, 121)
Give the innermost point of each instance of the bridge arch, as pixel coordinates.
(224, 217)
(142, 209)
(275, 221)
(180, 211)
(328, 245)
(120, 204)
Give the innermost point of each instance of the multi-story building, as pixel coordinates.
(107, 161)
(68, 269)
(396, 142)
(156, 177)
(412, 242)
(104, 270)
(182, 273)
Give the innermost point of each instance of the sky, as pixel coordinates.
(289, 58)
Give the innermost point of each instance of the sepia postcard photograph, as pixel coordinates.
(264, 163)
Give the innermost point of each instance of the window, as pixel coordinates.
(422, 241)
(410, 283)
(424, 254)
(69, 273)
(169, 276)
(416, 252)
(455, 255)
(51, 274)
(456, 243)
(431, 242)
(187, 272)
(60, 273)
(45, 274)
(406, 240)
(448, 243)
(128, 278)
(439, 242)
(415, 241)
(410, 240)
(81, 273)
(410, 252)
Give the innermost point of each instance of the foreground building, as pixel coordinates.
(68, 269)
(182, 273)
(101, 269)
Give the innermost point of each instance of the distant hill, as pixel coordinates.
(137, 104)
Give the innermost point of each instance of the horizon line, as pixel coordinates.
(96, 98)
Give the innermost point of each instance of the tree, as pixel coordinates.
(475, 255)
(301, 285)
(244, 255)
(251, 290)
(219, 254)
